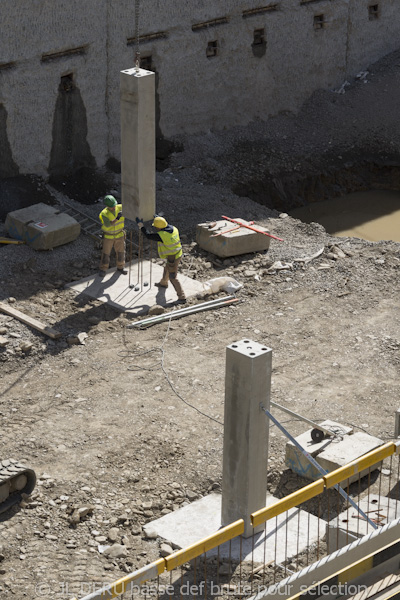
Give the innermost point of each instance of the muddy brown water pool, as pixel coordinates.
(373, 215)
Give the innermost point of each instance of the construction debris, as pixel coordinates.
(189, 310)
(13, 312)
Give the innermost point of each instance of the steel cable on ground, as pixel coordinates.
(157, 365)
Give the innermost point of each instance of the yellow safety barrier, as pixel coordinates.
(259, 517)
(298, 497)
(212, 541)
(357, 466)
(325, 587)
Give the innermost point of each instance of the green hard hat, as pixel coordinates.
(110, 201)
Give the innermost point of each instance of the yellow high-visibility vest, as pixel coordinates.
(116, 230)
(170, 245)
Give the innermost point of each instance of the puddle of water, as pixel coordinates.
(373, 215)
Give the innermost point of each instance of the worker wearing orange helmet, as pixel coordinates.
(170, 249)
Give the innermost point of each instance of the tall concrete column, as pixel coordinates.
(245, 452)
(138, 143)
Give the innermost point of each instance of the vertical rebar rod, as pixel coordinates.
(329, 517)
(380, 489)
(141, 265)
(368, 495)
(298, 540)
(319, 520)
(348, 513)
(337, 521)
(205, 575)
(139, 255)
(276, 546)
(151, 263)
(286, 541)
(265, 550)
(358, 501)
(230, 560)
(398, 482)
(218, 559)
(130, 258)
(252, 563)
(390, 483)
(240, 567)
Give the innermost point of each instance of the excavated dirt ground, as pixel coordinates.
(129, 423)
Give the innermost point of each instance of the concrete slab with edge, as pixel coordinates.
(42, 227)
(330, 453)
(198, 520)
(349, 525)
(239, 240)
(126, 294)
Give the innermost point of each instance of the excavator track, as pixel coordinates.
(15, 479)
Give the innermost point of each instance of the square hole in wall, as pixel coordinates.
(373, 11)
(258, 37)
(319, 21)
(67, 82)
(146, 63)
(212, 49)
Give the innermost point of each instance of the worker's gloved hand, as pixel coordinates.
(139, 222)
(119, 215)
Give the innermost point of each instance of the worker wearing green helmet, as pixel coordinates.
(112, 225)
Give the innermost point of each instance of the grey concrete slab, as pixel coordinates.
(349, 526)
(229, 239)
(42, 227)
(330, 453)
(125, 292)
(292, 533)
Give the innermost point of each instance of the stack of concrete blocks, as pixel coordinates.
(224, 238)
(42, 227)
(330, 453)
(138, 143)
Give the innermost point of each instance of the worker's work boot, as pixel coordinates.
(181, 300)
(102, 274)
(122, 271)
(162, 284)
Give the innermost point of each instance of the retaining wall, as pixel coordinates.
(266, 61)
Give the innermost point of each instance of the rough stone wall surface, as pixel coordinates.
(194, 92)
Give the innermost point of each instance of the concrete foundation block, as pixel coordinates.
(42, 227)
(330, 454)
(233, 241)
(349, 526)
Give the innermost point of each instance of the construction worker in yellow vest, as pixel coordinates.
(112, 225)
(170, 249)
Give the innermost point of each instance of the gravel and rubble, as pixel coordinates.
(123, 426)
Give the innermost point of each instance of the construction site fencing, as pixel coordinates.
(289, 534)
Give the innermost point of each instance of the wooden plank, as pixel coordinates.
(13, 312)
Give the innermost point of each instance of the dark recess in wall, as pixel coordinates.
(72, 168)
(8, 168)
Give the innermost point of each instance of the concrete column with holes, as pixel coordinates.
(245, 449)
(138, 143)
